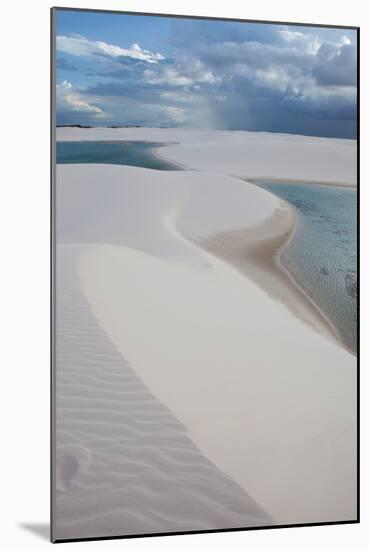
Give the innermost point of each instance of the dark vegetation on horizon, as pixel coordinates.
(85, 126)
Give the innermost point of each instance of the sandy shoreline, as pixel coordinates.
(165, 267)
(264, 264)
(295, 181)
(256, 253)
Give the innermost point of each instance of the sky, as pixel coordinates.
(119, 69)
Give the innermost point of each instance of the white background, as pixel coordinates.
(24, 272)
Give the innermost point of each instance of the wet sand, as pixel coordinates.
(256, 253)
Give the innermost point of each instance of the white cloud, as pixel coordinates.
(169, 76)
(185, 73)
(81, 46)
(70, 99)
(345, 41)
(291, 36)
(307, 42)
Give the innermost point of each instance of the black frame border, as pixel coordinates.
(53, 12)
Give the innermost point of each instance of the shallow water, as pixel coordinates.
(322, 255)
(131, 153)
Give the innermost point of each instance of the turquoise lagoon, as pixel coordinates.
(322, 255)
(131, 153)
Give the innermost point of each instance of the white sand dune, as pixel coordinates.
(265, 397)
(125, 464)
(244, 154)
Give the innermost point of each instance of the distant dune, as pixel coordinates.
(245, 154)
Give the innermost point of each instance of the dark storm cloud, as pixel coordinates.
(252, 54)
(227, 75)
(336, 68)
(266, 109)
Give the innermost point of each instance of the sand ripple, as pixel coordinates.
(125, 464)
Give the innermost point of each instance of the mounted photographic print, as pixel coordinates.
(204, 274)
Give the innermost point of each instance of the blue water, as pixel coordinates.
(322, 256)
(131, 153)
